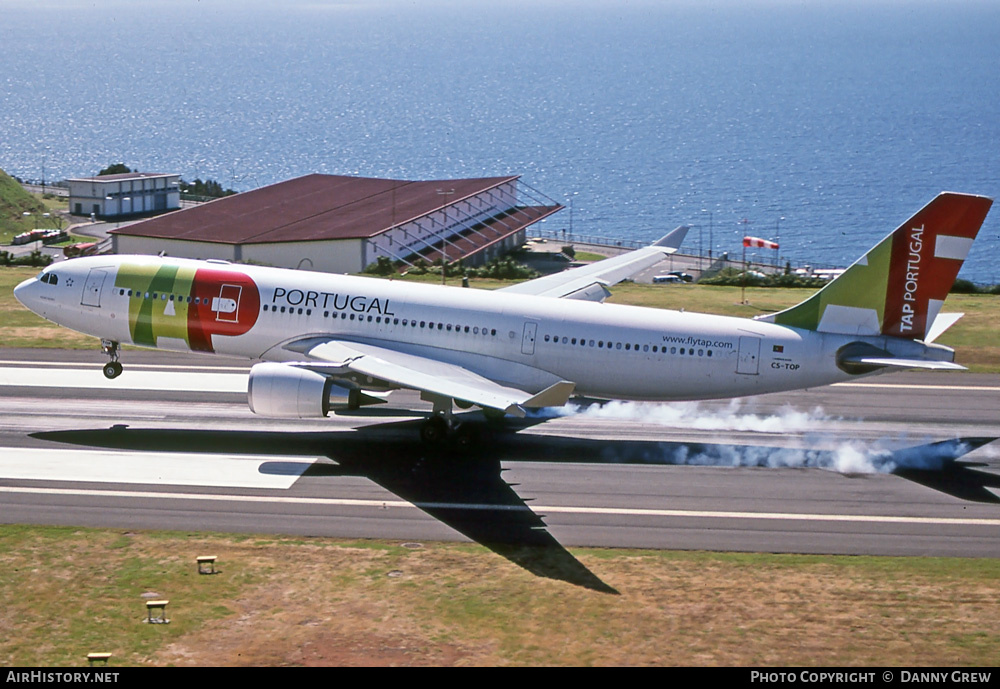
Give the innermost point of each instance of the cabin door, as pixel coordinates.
(528, 339)
(749, 360)
(93, 287)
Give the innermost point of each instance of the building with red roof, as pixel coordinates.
(342, 224)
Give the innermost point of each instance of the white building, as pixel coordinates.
(130, 193)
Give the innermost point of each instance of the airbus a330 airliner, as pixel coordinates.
(333, 342)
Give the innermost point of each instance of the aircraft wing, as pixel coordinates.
(431, 376)
(590, 282)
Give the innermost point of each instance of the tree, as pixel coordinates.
(114, 169)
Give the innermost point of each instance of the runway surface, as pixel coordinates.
(864, 468)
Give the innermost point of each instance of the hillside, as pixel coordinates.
(14, 201)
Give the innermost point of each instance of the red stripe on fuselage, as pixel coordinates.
(213, 311)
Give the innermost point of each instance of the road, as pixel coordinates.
(171, 444)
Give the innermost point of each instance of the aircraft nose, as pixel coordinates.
(24, 291)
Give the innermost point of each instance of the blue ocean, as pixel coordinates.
(823, 124)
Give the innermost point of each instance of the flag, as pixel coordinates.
(758, 242)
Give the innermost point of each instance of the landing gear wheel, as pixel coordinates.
(466, 436)
(434, 430)
(112, 369)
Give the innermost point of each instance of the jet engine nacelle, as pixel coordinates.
(284, 391)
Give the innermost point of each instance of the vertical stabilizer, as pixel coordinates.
(898, 287)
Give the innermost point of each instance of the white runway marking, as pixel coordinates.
(160, 367)
(538, 509)
(234, 378)
(182, 379)
(900, 386)
(158, 468)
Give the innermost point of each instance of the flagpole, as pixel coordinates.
(743, 287)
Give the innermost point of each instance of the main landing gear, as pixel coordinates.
(113, 368)
(444, 427)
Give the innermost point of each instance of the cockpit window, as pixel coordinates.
(48, 278)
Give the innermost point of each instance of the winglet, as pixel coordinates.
(672, 240)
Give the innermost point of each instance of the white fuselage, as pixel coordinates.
(608, 350)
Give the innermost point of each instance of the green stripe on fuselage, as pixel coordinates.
(149, 318)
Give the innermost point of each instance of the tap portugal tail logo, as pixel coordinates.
(898, 287)
(189, 304)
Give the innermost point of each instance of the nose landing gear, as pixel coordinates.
(113, 368)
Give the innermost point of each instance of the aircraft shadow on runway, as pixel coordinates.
(465, 489)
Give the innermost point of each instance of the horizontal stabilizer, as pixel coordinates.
(904, 363)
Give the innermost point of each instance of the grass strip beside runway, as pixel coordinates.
(307, 601)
